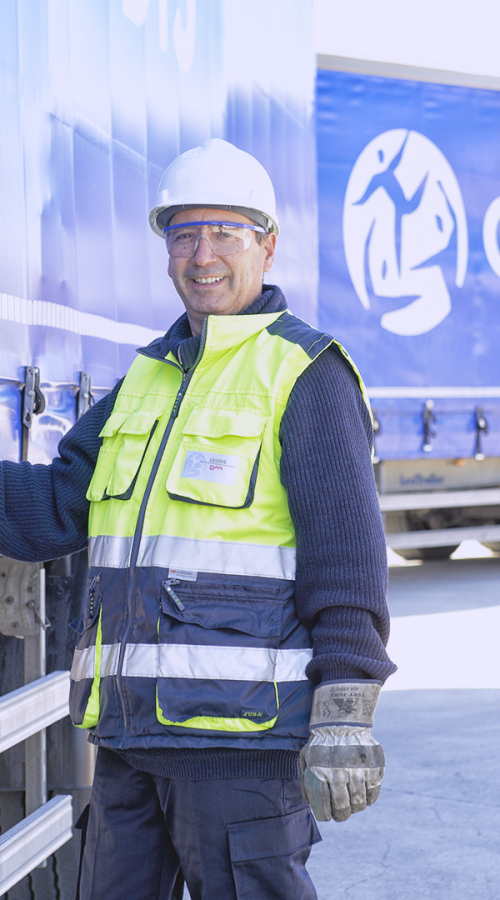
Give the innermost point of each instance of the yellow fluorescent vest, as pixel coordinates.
(216, 507)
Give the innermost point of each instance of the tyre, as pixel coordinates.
(397, 522)
(427, 553)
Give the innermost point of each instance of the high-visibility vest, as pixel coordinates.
(190, 636)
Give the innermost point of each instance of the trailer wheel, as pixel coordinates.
(397, 522)
(427, 553)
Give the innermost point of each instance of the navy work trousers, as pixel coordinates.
(233, 838)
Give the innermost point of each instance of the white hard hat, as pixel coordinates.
(216, 175)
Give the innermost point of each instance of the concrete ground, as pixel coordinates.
(434, 832)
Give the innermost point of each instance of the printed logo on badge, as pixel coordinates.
(215, 467)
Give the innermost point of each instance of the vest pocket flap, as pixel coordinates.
(260, 618)
(112, 424)
(120, 457)
(217, 423)
(213, 477)
(217, 461)
(139, 422)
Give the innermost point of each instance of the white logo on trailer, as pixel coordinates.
(402, 206)
(184, 37)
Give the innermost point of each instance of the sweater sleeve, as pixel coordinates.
(341, 578)
(43, 509)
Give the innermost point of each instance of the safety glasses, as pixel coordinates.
(225, 238)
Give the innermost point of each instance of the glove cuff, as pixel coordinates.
(345, 703)
(354, 757)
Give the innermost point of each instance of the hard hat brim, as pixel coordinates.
(255, 215)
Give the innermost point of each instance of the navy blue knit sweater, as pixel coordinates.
(341, 575)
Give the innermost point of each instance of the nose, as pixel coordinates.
(203, 252)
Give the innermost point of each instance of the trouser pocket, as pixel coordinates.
(268, 857)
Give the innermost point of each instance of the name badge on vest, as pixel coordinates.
(201, 466)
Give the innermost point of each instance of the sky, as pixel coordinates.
(456, 35)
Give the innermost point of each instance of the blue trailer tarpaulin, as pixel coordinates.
(408, 192)
(96, 99)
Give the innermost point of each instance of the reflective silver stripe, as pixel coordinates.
(194, 661)
(215, 663)
(83, 665)
(224, 557)
(109, 659)
(110, 552)
(141, 660)
(291, 665)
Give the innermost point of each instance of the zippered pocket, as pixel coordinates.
(217, 657)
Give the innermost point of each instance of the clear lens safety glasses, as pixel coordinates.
(225, 238)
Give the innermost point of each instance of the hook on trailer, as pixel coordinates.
(429, 432)
(33, 404)
(481, 428)
(84, 398)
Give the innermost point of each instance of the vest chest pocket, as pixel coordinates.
(218, 458)
(217, 657)
(126, 438)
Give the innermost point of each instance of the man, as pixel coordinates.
(236, 612)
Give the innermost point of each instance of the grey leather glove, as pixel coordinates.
(342, 764)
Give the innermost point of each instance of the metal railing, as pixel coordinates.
(24, 715)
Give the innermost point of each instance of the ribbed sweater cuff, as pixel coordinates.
(341, 638)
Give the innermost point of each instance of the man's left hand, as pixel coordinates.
(342, 770)
(342, 764)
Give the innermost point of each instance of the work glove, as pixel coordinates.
(342, 764)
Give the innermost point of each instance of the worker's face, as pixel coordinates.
(238, 277)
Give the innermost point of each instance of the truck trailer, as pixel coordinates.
(409, 213)
(96, 100)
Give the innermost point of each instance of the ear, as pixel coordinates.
(270, 250)
(168, 269)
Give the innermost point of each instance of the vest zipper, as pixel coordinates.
(134, 553)
(96, 579)
(171, 593)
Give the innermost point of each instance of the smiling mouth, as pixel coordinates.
(214, 279)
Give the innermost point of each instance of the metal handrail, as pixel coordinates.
(32, 707)
(32, 840)
(23, 713)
